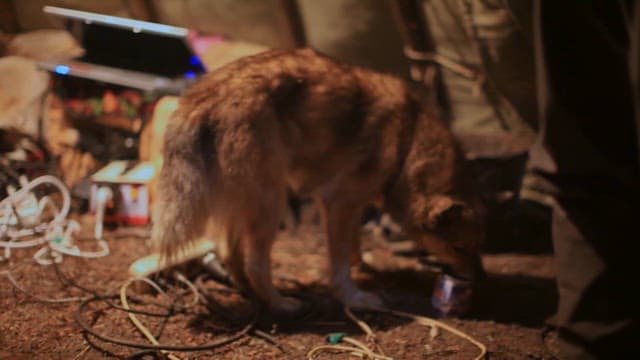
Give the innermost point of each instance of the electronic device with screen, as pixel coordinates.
(132, 53)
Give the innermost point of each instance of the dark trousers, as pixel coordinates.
(587, 151)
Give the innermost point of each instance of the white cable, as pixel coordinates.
(59, 240)
(15, 244)
(47, 201)
(7, 253)
(22, 217)
(75, 251)
(45, 256)
(33, 212)
(104, 195)
(24, 192)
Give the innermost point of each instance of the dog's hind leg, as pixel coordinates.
(261, 231)
(342, 220)
(233, 256)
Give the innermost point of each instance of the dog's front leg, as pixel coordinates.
(342, 220)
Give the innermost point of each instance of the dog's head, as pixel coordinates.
(452, 231)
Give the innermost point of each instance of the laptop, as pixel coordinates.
(142, 55)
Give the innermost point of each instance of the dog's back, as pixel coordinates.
(265, 122)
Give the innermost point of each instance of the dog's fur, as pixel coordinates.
(344, 134)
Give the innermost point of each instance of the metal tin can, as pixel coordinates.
(451, 295)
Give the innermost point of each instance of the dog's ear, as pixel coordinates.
(443, 211)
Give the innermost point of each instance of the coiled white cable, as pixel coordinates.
(58, 233)
(25, 191)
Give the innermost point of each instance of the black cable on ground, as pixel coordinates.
(170, 347)
(212, 305)
(154, 349)
(148, 349)
(106, 297)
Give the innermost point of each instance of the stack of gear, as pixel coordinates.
(20, 154)
(108, 92)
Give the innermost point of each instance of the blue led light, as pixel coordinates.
(194, 60)
(62, 69)
(190, 74)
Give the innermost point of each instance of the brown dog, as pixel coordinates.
(346, 135)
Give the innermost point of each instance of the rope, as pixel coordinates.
(426, 321)
(134, 319)
(371, 336)
(363, 351)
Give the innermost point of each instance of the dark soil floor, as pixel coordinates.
(508, 314)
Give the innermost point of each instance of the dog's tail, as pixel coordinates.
(180, 211)
(223, 174)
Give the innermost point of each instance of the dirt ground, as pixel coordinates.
(508, 314)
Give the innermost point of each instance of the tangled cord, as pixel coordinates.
(22, 225)
(154, 346)
(361, 350)
(172, 307)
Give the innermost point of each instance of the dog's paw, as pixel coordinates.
(287, 306)
(359, 299)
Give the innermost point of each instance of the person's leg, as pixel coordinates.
(587, 150)
(595, 281)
